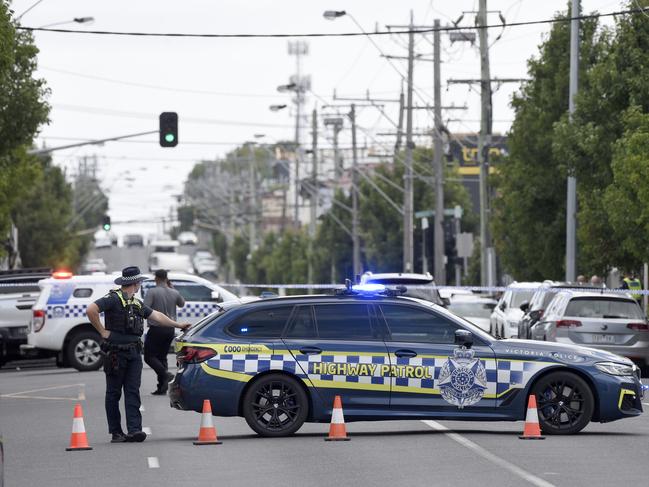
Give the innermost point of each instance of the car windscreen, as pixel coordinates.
(518, 297)
(474, 310)
(604, 308)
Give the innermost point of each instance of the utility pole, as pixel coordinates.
(356, 253)
(337, 124)
(440, 268)
(314, 193)
(484, 140)
(252, 183)
(397, 144)
(408, 200)
(571, 203)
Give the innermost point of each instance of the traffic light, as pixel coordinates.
(106, 223)
(168, 129)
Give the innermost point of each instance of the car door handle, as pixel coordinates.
(310, 350)
(405, 353)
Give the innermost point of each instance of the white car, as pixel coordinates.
(187, 238)
(93, 265)
(103, 241)
(506, 315)
(473, 308)
(60, 327)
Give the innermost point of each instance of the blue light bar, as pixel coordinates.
(369, 289)
(244, 329)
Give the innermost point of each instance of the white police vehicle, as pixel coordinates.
(60, 327)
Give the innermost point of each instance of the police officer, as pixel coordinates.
(632, 283)
(124, 317)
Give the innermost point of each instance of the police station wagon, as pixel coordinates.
(280, 362)
(60, 327)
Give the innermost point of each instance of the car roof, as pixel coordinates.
(110, 278)
(398, 277)
(594, 294)
(331, 298)
(522, 285)
(465, 298)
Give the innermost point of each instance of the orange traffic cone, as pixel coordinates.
(337, 430)
(532, 430)
(78, 440)
(207, 433)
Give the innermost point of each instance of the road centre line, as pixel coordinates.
(22, 393)
(487, 455)
(76, 399)
(147, 430)
(153, 462)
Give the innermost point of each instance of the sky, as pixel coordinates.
(105, 86)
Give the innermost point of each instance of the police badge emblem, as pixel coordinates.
(463, 378)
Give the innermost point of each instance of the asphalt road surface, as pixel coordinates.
(36, 408)
(116, 258)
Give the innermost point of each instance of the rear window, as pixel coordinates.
(82, 293)
(604, 308)
(265, 323)
(518, 297)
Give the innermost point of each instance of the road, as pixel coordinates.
(36, 409)
(116, 258)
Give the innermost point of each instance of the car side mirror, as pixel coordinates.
(525, 305)
(446, 302)
(502, 306)
(464, 338)
(216, 296)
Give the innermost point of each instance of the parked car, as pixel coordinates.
(18, 292)
(133, 240)
(187, 238)
(93, 265)
(608, 321)
(205, 263)
(506, 315)
(420, 286)
(475, 309)
(103, 241)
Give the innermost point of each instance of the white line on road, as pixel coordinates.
(22, 393)
(487, 455)
(646, 403)
(147, 430)
(153, 462)
(142, 408)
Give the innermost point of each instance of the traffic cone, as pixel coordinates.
(337, 430)
(207, 433)
(532, 430)
(78, 440)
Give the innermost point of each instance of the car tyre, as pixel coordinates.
(83, 351)
(275, 405)
(565, 403)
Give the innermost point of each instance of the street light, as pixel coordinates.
(333, 14)
(77, 20)
(276, 108)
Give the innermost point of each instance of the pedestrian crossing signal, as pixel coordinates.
(168, 129)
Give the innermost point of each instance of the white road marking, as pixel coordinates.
(487, 455)
(646, 403)
(153, 462)
(142, 408)
(147, 430)
(22, 393)
(41, 397)
(82, 392)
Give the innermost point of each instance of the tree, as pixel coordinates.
(22, 111)
(528, 223)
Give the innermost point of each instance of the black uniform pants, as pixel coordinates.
(126, 376)
(156, 347)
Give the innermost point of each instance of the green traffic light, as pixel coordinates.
(106, 227)
(169, 138)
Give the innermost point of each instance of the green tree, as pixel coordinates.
(528, 221)
(22, 111)
(333, 245)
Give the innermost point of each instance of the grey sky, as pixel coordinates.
(237, 78)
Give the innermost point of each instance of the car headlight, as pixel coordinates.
(612, 368)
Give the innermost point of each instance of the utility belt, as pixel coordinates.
(108, 347)
(115, 360)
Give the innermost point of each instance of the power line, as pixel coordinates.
(332, 34)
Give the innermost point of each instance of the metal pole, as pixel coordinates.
(483, 141)
(424, 259)
(314, 193)
(571, 203)
(397, 144)
(338, 166)
(458, 278)
(440, 268)
(355, 241)
(408, 247)
(298, 151)
(252, 181)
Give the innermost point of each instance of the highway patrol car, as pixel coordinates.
(280, 362)
(60, 327)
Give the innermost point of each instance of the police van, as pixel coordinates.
(60, 327)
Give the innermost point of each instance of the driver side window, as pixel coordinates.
(409, 324)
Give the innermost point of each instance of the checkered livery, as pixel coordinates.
(502, 375)
(196, 310)
(66, 311)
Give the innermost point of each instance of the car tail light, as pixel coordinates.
(194, 355)
(38, 319)
(568, 324)
(638, 326)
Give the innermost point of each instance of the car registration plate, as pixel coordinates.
(601, 338)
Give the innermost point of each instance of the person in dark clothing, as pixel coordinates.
(124, 317)
(164, 299)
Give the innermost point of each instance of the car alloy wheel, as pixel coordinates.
(275, 405)
(565, 403)
(83, 351)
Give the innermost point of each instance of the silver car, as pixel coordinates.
(608, 321)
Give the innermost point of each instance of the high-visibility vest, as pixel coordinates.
(634, 285)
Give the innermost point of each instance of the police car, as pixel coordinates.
(60, 327)
(280, 362)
